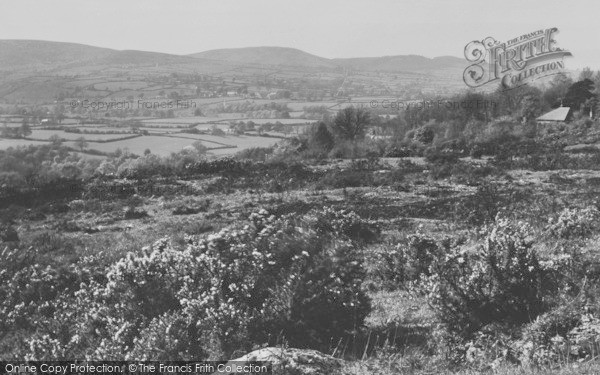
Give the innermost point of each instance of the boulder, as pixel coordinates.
(288, 361)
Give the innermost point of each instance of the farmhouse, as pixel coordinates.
(560, 114)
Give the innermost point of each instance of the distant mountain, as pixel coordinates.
(20, 53)
(293, 57)
(402, 63)
(44, 55)
(266, 55)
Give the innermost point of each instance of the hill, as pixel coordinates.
(24, 55)
(293, 57)
(267, 56)
(33, 71)
(29, 53)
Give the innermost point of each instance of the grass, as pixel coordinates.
(120, 85)
(398, 307)
(158, 145)
(193, 120)
(46, 134)
(6, 143)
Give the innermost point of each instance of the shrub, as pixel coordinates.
(435, 155)
(483, 206)
(501, 282)
(321, 139)
(346, 223)
(395, 267)
(255, 153)
(396, 151)
(244, 286)
(29, 291)
(476, 151)
(575, 222)
(346, 150)
(425, 135)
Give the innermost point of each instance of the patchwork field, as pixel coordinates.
(46, 134)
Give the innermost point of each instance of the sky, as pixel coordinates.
(327, 28)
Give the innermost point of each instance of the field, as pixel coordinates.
(6, 143)
(284, 121)
(160, 145)
(41, 134)
(165, 145)
(193, 120)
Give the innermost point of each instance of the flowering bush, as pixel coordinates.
(501, 282)
(397, 266)
(345, 223)
(567, 333)
(27, 289)
(575, 222)
(272, 279)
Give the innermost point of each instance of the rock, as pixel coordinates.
(290, 361)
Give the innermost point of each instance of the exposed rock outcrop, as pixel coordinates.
(295, 361)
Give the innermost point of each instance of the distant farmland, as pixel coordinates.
(157, 144)
(42, 134)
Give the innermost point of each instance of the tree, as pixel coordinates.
(201, 149)
(474, 107)
(586, 73)
(216, 131)
(24, 129)
(596, 80)
(530, 107)
(5, 132)
(580, 95)
(555, 94)
(351, 123)
(55, 140)
(425, 135)
(81, 143)
(322, 139)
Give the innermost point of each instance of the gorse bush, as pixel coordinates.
(500, 282)
(574, 222)
(271, 280)
(345, 223)
(397, 266)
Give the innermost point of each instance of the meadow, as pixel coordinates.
(42, 134)
(157, 145)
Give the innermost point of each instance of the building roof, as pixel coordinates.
(558, 114)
